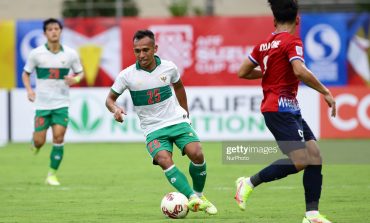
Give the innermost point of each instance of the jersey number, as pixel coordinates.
(153, 94)
(54, 73)
(265, 64)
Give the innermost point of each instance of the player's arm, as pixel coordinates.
(179, 89)
(110, 103)
(248, 70)
(307, 77)
(27, 84)
(77, 69)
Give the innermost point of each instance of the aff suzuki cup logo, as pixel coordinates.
(323, 47)
(175, 44)
(322, 43)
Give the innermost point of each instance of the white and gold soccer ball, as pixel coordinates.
(175, 205)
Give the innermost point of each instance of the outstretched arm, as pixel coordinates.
(248, 70)
(307, 77)
(27, 84)
(117, 111)
(179, 89)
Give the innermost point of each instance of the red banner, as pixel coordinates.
(207, 50)
(97, 41)
(353, 114)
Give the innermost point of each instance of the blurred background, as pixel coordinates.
(208, 40)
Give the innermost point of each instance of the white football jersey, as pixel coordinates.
(151, 94)
(51, 68)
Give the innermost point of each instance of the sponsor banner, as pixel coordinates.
(29, 36)
(353, 114)
(98, 42)
(4, 117)
(217, 113)
(207, 51)
(325, 42)
(7, 54)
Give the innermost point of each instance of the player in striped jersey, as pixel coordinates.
(163, 121)
(52, 63)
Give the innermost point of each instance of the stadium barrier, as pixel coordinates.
(4, 127)
(217, 113)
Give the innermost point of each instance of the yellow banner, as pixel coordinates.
(7, 54)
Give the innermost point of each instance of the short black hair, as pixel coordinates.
(284, 10)
(143, 33)
(51, 20)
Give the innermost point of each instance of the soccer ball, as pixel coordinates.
(174, 205)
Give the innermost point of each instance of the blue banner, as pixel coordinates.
(325, 39)
(29, 35)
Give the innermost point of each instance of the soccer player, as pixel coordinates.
(52, 62)
(281, 61)
(163, 121)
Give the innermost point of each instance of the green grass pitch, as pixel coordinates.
(116, 182)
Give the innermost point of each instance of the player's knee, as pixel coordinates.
(196, 156)
(300, 161)
(164, 161)
(315, 158)
(58, 139)
(38, 143)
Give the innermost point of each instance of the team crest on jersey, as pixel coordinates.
(163, 78)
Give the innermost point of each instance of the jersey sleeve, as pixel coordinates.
(175, 74)
(253, 56)
(119, 85)
(31, 63)
(295, 50)
(76, 63)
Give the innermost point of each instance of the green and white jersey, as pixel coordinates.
(51, 90)
(151, 94)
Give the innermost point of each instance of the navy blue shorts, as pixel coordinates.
(290, 130)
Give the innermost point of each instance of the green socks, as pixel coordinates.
(56, 156)
(178, 180)
(199, 174)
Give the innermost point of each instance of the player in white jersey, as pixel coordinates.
(52, 63)
(163, 121)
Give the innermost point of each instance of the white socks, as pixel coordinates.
(312, 213)
(248, 181)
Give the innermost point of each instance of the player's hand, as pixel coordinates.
(31, 95)
(119, 114)
(331, 103)
(70, 80)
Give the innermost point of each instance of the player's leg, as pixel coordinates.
(56, 154)
(312, 178)
(174, 176)
(160, 149)
(288, 132)
(187, 141)
(41, 124)
(59, 127)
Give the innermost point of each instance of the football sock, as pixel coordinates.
(56, 156)
(312, 213)
(249, 182)
(312, 182)
(198, 174)
(277, 170)
(178, 180)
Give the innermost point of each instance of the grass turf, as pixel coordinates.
(116, 182)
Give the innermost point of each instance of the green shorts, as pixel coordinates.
(162, 139)
(46, 118)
